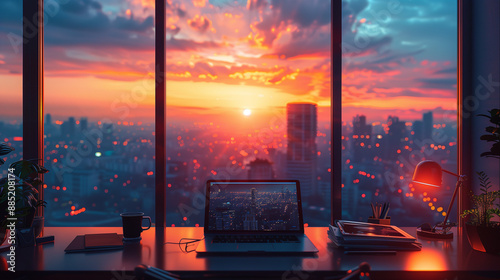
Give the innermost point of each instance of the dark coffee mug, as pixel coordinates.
(132, 224)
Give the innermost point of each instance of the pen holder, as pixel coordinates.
(380, 221)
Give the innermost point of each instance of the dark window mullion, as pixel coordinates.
(336, 111)
(33, 85)
(160, 121)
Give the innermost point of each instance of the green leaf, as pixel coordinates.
(488, 137)
(491, 129)
(5, 149)
(23, 168)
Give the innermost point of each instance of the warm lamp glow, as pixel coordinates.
(428, 173)
(429, 260)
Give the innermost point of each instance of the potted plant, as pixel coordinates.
(481, 231)
(25, 177)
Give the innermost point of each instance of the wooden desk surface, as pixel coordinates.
(450, 256)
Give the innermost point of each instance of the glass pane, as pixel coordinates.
(99, 104)
(248, 96)
(11, 89)
(399, 101)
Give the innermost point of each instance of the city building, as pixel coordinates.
(361, 138)
(301, 149)
(81, 182)
(260, 169)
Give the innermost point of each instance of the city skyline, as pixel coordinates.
(377, 164)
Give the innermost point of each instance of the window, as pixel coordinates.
(398, 106)
(248, 96)
(245, 80)
(99, 122)
(11, 67)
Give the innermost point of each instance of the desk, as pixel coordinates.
(438, 259)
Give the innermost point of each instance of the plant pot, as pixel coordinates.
(26, 221)
(25, 237)
(484, 239)
(38, 223)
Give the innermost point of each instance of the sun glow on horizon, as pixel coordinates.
(247, 112)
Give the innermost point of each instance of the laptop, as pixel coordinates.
(254, 216)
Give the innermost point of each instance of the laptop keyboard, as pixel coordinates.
(248, 238)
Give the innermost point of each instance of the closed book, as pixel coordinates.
(95, 242)
(103, 240)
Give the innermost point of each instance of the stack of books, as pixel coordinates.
(358, 236)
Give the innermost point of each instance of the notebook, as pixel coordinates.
(95, 242)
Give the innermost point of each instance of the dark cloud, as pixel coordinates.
(134, 25)
(451, 70)
(174, 9)
(310, 15)
(303, 13)
(200, 23)
(173, 30)
(304, 43)
(355, 42)
(438, 82)
(80, 7)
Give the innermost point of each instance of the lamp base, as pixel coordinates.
(433, 234)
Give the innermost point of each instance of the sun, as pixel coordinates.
(247, 112)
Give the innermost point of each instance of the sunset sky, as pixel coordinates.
(227, 56)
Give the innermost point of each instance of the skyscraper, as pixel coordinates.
(84, 124)
(48, 119)
(361, 137)
(260, 169)
(302, 151)
(428, 125)
(394, 138)
(68, 127)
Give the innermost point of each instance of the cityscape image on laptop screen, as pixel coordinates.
(261, 206)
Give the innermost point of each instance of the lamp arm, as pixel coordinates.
(451, 173)
(460, 180)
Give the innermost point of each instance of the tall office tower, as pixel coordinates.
(107, 137)
(48, 119)
(278, 160)
(301, 151)
(68, 127)
(361, 138)
(394, 138)
(254, 199)
(250, 222)
(84, 124)
(428, 125)
(224, 219)
(81, 181)
(48, 127)
(418, 130)
(261, 169)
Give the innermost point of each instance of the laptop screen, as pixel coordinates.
(253, 206)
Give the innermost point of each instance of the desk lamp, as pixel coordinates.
(429, 173)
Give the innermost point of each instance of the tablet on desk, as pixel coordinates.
(373, 231)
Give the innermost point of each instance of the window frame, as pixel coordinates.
(33, 103)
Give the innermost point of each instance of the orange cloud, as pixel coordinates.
(200, 3)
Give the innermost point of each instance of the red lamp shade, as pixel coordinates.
(428, 173)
